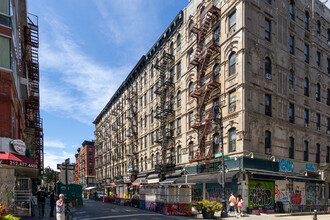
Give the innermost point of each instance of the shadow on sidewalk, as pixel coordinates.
(36, 212)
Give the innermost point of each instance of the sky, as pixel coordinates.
(86, 50)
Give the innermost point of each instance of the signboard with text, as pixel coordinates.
(18, 164)
(18, 147)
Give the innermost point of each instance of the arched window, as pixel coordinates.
(268, 68)
(318, 92)
(191, 89)
(172, 103)
(152, 116)
(178, 42)
(306, 87)
(203, 11)
(318, 28)
(179, 154)
(306, 20)
(216, 141)
(172, 155)
(191, 150)
(268, 142)
(291, 79)
(216, 71)
(172, 48)
(152, 160)
(157, 158)
(179, 99)
(232, 140)
(292, 9)
(291, 148)
(232, 64)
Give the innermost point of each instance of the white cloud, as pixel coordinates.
(54, 144)
(52, 158)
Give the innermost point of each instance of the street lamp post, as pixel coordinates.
(216, 111)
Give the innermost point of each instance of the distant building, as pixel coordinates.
(71, 174)
(21, 133)
(85, 165)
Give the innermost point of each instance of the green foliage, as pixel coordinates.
(50, 175)
(207, 206)
(10, 217)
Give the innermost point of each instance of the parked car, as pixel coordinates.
(135, 200)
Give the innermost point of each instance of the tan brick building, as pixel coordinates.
(266, 63)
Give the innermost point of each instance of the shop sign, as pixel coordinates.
(18, 147)
(286, 165)
(18, 164)
(310, 167)
(153, 181)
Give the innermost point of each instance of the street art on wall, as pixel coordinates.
(286, 165)
(310, 194)
(310, 167)
(281, 191)
(261, 195)
(298, 194)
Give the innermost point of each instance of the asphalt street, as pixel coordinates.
(92, 210)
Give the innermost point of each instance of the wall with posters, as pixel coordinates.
(261, 195)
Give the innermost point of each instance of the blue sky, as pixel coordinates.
(87, 48)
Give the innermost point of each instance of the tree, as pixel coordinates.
(51, 176)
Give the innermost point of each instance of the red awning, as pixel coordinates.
(15, 160)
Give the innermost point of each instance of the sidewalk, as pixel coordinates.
(36, 211)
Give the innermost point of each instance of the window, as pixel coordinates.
(291, 148)
(191, 89)
(191, 25)
(291, 113)
(216, 71)
(232, 22)
(328, 65)
(318, 92)
(152, 161)
(141, 163)
(172, 155)
(141, 80)
(216, 143)
(328, 125)
(179, 99)
(152, 116)
(191, 150)
(318, 59)
(191, 55)
(141, 123)
(152, 138)
(179, 126)
(145, 100)
(291, 9)
(268, 68)
(152, 93)
(267, 29)
(141, 100)
(90, 172)
(202, 11)
(328, 97)
(216, 103)
(328, 155)
(172, 48)
(328, 36)
(178, 42)
(268, 1)
(90, 157)
(146, 162)
(90, 149)
(232, 140)
(178, 70)
(318, 153)
(306, 53)
(172, 103)
(306, 87)
(172, 75)
(232, 64)
(90, 165)
(232, 101)
(145, 78)
(318, 28)
(152, 71)
(318, 121)
(291, 79)
(305, 150)
(179, 154)
(291, 44)
(216, 35)
(141, 143)
(307, 20)
(268, 143)
(268, 105)
(191, 119)
(306, 117)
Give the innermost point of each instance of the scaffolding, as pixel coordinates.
(205, 83)
(32, 105)
(164, 110)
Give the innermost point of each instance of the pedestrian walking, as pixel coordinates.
(60, 208)
(52, 203)
(232, 204)
(239, 205)
(41, 195)
(95, 195)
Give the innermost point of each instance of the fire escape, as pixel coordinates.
(165, 107)
(33, 120)
(205, 83)
(132, 131)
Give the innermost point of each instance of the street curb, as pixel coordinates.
(302, 213)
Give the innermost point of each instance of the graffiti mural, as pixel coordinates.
(285, 165)
(310, 167)
(310, 194)
(298, 194)
(261, 195)
(281, 191)
(295, 199)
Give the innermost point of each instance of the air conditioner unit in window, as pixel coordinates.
(268, 76)
(268, 150)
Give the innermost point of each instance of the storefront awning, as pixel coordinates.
(90, 188)
(139, 181)
(15, 160)
(207, 177)
(169, 181)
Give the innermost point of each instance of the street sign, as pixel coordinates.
(62, 167)
(67, 161)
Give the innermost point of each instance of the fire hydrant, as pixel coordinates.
(315, 215)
